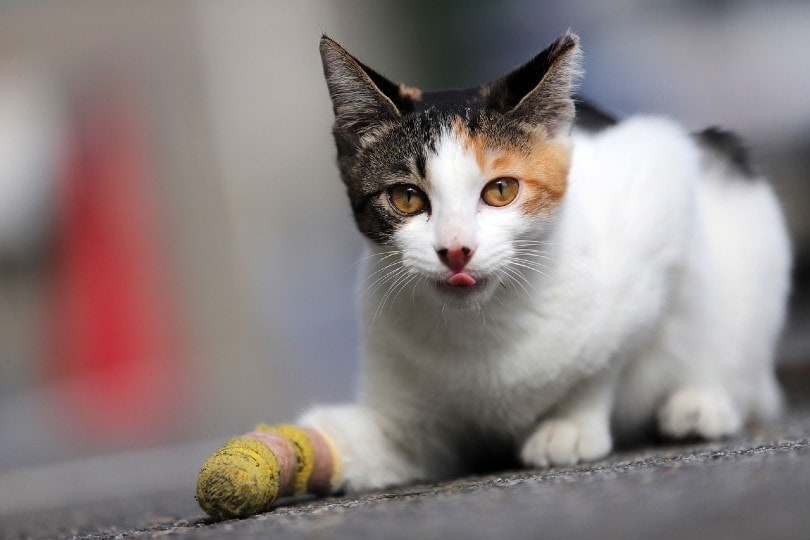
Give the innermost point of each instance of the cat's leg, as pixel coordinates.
(578, 429)
(690, 383)
(699, 382)
(370, 455)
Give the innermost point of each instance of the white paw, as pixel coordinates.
(705, 413)
(565, 442)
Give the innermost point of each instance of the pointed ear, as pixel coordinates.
(361, 98)
(539, 92)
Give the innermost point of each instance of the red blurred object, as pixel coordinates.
(115, 338)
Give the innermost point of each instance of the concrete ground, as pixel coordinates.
(756, 485)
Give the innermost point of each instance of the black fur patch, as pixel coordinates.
(728, 146)
(452, 100)
(592, 118)
(396, 155)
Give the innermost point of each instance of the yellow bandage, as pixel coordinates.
(239, 479)
(304, 454)
(250, 472)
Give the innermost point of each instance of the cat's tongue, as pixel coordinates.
(461, 279)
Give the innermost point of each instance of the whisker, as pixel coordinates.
(519, 279)
(382, 256)
(533, 244)
(392, 278)
(510, 282)
(383, 268)
(402, 275)
(402, 287)
(538, 254)
(413, 290)
(381, 279)
(539, 270)
(572, 270)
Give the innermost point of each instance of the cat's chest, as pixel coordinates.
(499, 375)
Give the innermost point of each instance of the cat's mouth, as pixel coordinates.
(461, 284)
(461, 279)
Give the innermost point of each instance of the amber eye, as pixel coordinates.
(408, 199)
(500, 191)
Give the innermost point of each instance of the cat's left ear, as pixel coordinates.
(361, 97)
(540, 91)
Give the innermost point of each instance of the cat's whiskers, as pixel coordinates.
(534, 266)
(397, 288)
(534, 253)
(384, 272)
(381, 257)
(375, 286)
(413, 290)
(576, 265)
(401, 278)
(388, 276)
(379, 269)
(396, 278)
(534, 245)
(529, 247)
(524, 261)
(519, 279)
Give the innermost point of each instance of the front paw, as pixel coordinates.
(699, 412)
(566, 442)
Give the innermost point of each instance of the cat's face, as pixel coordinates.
(457, 189)
(472, 220)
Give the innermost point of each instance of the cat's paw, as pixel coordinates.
(709, 414)
(565, 442)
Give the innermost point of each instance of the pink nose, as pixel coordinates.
(455, 258)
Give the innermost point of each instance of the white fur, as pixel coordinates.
(655, 292)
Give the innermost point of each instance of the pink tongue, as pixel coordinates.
(461, 279)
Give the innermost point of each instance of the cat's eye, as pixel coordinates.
(500, 192)
(408, 199)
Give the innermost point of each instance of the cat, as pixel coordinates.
(544, 279)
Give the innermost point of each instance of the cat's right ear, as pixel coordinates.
(540, 91)
(360, 96)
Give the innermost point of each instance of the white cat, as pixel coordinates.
(539, 282)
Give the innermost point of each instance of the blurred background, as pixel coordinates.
(176, 250)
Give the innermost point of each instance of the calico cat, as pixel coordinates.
(543, 278)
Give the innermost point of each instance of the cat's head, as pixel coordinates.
(458, 187)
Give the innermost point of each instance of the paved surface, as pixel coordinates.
(754, 486)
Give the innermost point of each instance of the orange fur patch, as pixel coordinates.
(541, 168)
(410, 92)
(543, 173)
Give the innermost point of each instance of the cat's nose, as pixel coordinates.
(455, 258)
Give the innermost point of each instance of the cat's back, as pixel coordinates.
(645, 183)
(637, 201)
(633, 187)
(633, 165)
